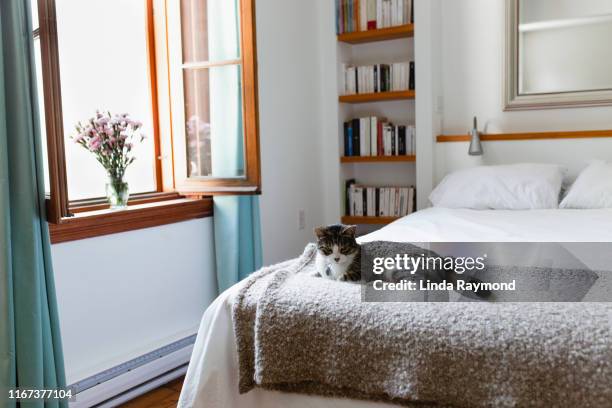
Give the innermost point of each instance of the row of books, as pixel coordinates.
(373, 136)
(398, 76)
(363, 15)
(370, 201)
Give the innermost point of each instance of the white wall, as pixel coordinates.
(290, 131)
(329, 73)
(126, 294)
(428, 69)
(472, 34)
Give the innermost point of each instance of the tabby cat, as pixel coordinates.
(338, 253)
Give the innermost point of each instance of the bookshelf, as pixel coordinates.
(376, 46)
(382, 34)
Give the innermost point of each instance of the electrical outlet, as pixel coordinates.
(301, 219)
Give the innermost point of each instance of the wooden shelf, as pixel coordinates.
(349, 219)
(382, 34)
(377, 96)
(581, 134)
(376, 159)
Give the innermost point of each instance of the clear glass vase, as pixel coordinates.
(117, 193)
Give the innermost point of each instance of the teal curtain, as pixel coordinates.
(238, 250)
(30, 347)
(237, 238)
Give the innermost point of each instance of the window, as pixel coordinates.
(104, 69)
(185, 69)
(41, 102)
(211, 54)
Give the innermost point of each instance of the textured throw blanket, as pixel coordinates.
(299, 333)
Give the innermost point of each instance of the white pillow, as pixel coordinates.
(592, 188)
(508, 187)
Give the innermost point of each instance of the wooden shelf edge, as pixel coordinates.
(381, 34)
(377, 96)
(350, 219)
(585, 134)
(377, 159)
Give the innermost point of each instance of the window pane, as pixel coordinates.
(213, 111)
(103, 64)
(41, 111)
(210, 30)
(34, 7)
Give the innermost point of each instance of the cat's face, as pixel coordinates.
(337, 244)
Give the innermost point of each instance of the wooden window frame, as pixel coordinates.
(78, 219)
(59, 207)
(251, 182)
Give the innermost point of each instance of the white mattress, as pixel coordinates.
(451, 225)
(212, 377)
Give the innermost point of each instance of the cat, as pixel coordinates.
(338, 253)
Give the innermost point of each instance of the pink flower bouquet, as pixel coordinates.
(111, 139)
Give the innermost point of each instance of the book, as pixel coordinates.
(356, 137)
(373, 136)
(377, 200)
(363, 139)
(347, 197)
(371, 15)
(403, 201)
(383, 202)
(401, 136)
(379, 139)
(411, 200)
(358, 193)
(363, 15)
(347, 139)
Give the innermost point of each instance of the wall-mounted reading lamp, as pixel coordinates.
(475, 145)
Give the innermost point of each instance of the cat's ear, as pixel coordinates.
(349, 230)
(320, 232)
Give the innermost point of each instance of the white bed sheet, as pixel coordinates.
(212, 377)
(460, 225)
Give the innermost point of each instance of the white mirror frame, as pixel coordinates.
(514, 101)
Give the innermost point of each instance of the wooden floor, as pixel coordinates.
(166, 396)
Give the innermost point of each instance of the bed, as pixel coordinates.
(212, 377)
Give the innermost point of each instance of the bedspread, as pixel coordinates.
(299, 333)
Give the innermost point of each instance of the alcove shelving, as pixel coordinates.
(386, 45)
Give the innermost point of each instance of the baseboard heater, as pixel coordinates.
(125, 381)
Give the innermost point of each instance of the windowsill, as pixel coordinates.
(89, 224)
(95, 204)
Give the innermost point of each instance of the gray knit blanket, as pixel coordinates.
(299, 333)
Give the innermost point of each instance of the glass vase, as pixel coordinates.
(117, 193)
